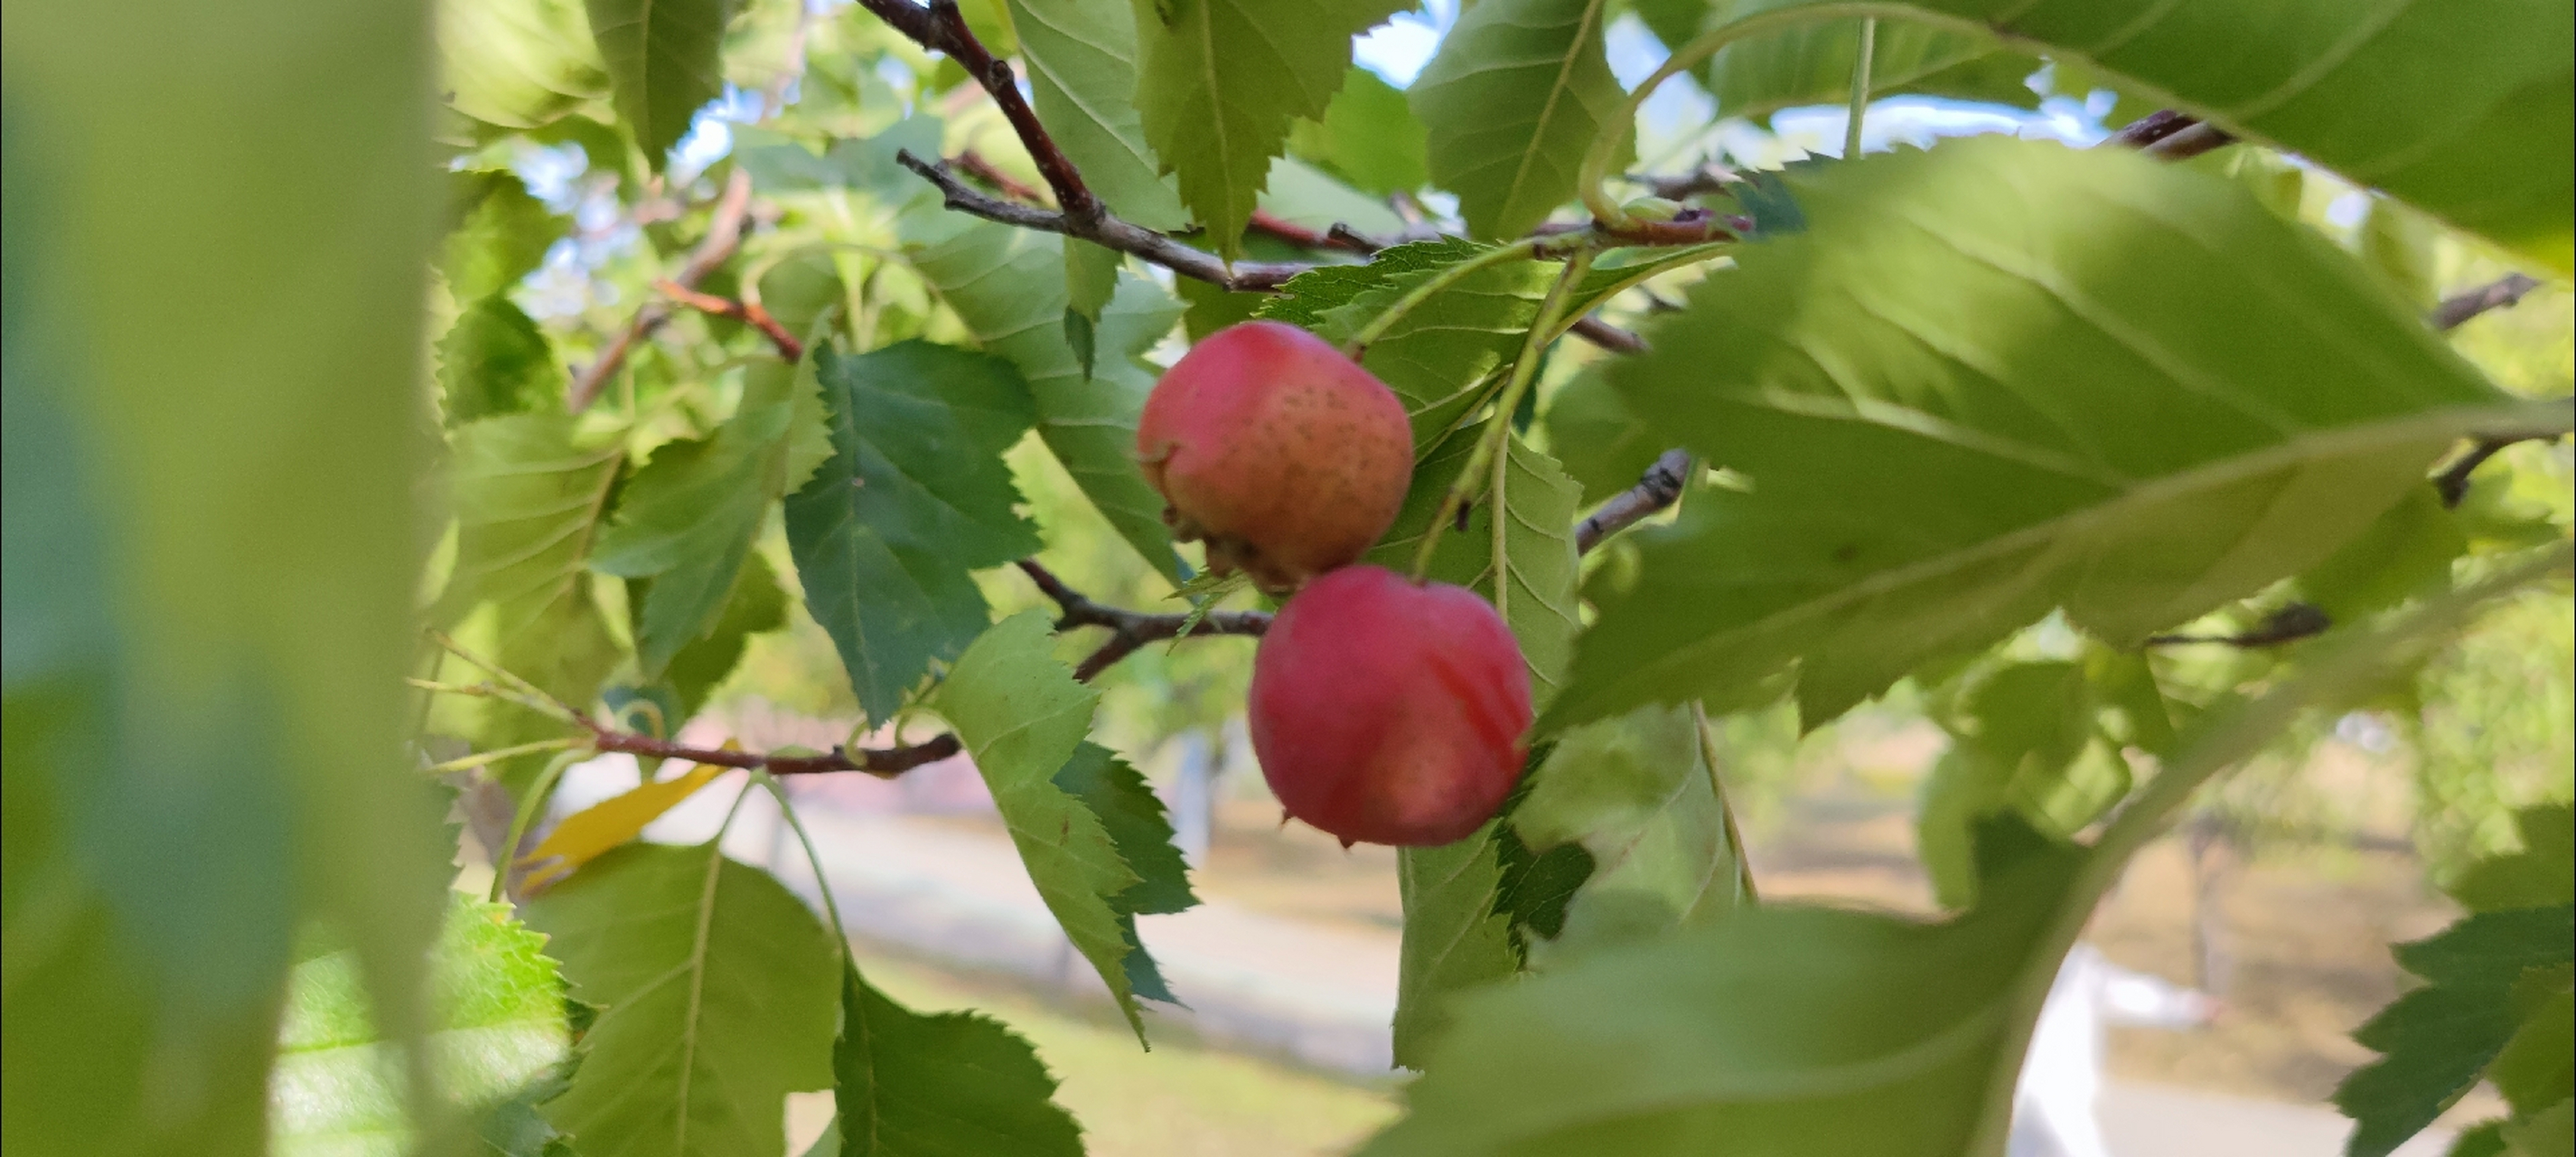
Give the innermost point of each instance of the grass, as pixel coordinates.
(1181, 1098)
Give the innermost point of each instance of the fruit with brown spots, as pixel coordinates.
(1286, 458)
(1387, 711)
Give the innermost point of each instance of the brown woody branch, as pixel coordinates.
(746, 312)
(2294, 621)
(1104, 229)
(2504, 292)
(1129, 630)
(2170, 135)
(883, 762)
(724, 235)
(940, 27)
(1661, 487)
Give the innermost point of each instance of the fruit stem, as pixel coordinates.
(1524, 249)
(1499, 427)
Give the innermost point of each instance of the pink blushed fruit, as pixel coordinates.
(1285, 457)
(1389, 712)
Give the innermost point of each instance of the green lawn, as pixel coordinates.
(1181, 1098)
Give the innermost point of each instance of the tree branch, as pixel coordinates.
(743, 311)
(1129, 630)
(885, 763)
(2170, 135)
(724, 235)
(2457, 309)
(940, 27)
(1660, 487)
(2294, 621)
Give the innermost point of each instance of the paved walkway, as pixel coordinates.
(1322, 995)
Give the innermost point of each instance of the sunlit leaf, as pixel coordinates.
(1082, 78)
(663, 63)
(715, 991)
(1514, 99)
(1219, 81)
(2031, 417)
(1367, 136)
(496, 361)
(518, 63)
(1453, 937)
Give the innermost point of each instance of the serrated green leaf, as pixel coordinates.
(497, 1024)
(1812, 65)
(1453, 937)
(496, 361)
(530, 506)
(1780, 1028)
(1082, 79)
(664, 63)
(1219, 81)
(910, 1084)
(1515, 97)
(1007, 285)
(2441, 1037)
(2549, 1133)
(715, 990)
(518, 63)
(1447, 355)
(755, 605)
(2480, 131)
(2405, 553)
(2541, 874)
(2537, 1068)
(1134, 818)
(915, 496)
(1532, 503)
(687, 519)
(1602, 446)
(1931, 472)
(1368, 136)
(499, 235)
(1023, 717)
(1639, 795)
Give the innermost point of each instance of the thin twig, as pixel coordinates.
(940, 27)
(2293, 622)
(1129, 630)
(2506, 291)
(884, 762)
(724, 235)
(747, 312)
(1106, 230)
(2153, 127)
(2188, 142)
(1660, 487)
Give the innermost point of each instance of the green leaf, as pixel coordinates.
(715, 993)
(2537, 1068)
(2547, 1134)
(2541, 874)
(1779, 1028)
(664, 62)
(915, 1085)
(687, 519)
(217, 225)
(497, 1025)
(1303, 195)
(1008, 286)
(1023, 717)
(1812, 65)
(2440, 1037)
(1368, 136)
(2398, 244)
(1533, 505)
(1518, 92)
(1218, 82)
(1602, 446)
(2471, 114)
(780, 164)
(2025, 737)
(1081, 56)
(2031, 417)
(2405, 553)
(1453, 937)
(500, 234)
(496, 361)
(1134, 818)
(1639, 794)
(755, 605)
(915, 496)
(518, 63)
(1090, 280)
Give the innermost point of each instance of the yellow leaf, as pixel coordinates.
(610, 822)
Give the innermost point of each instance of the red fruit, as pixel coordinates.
(1285, 456)
(1389, 712)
